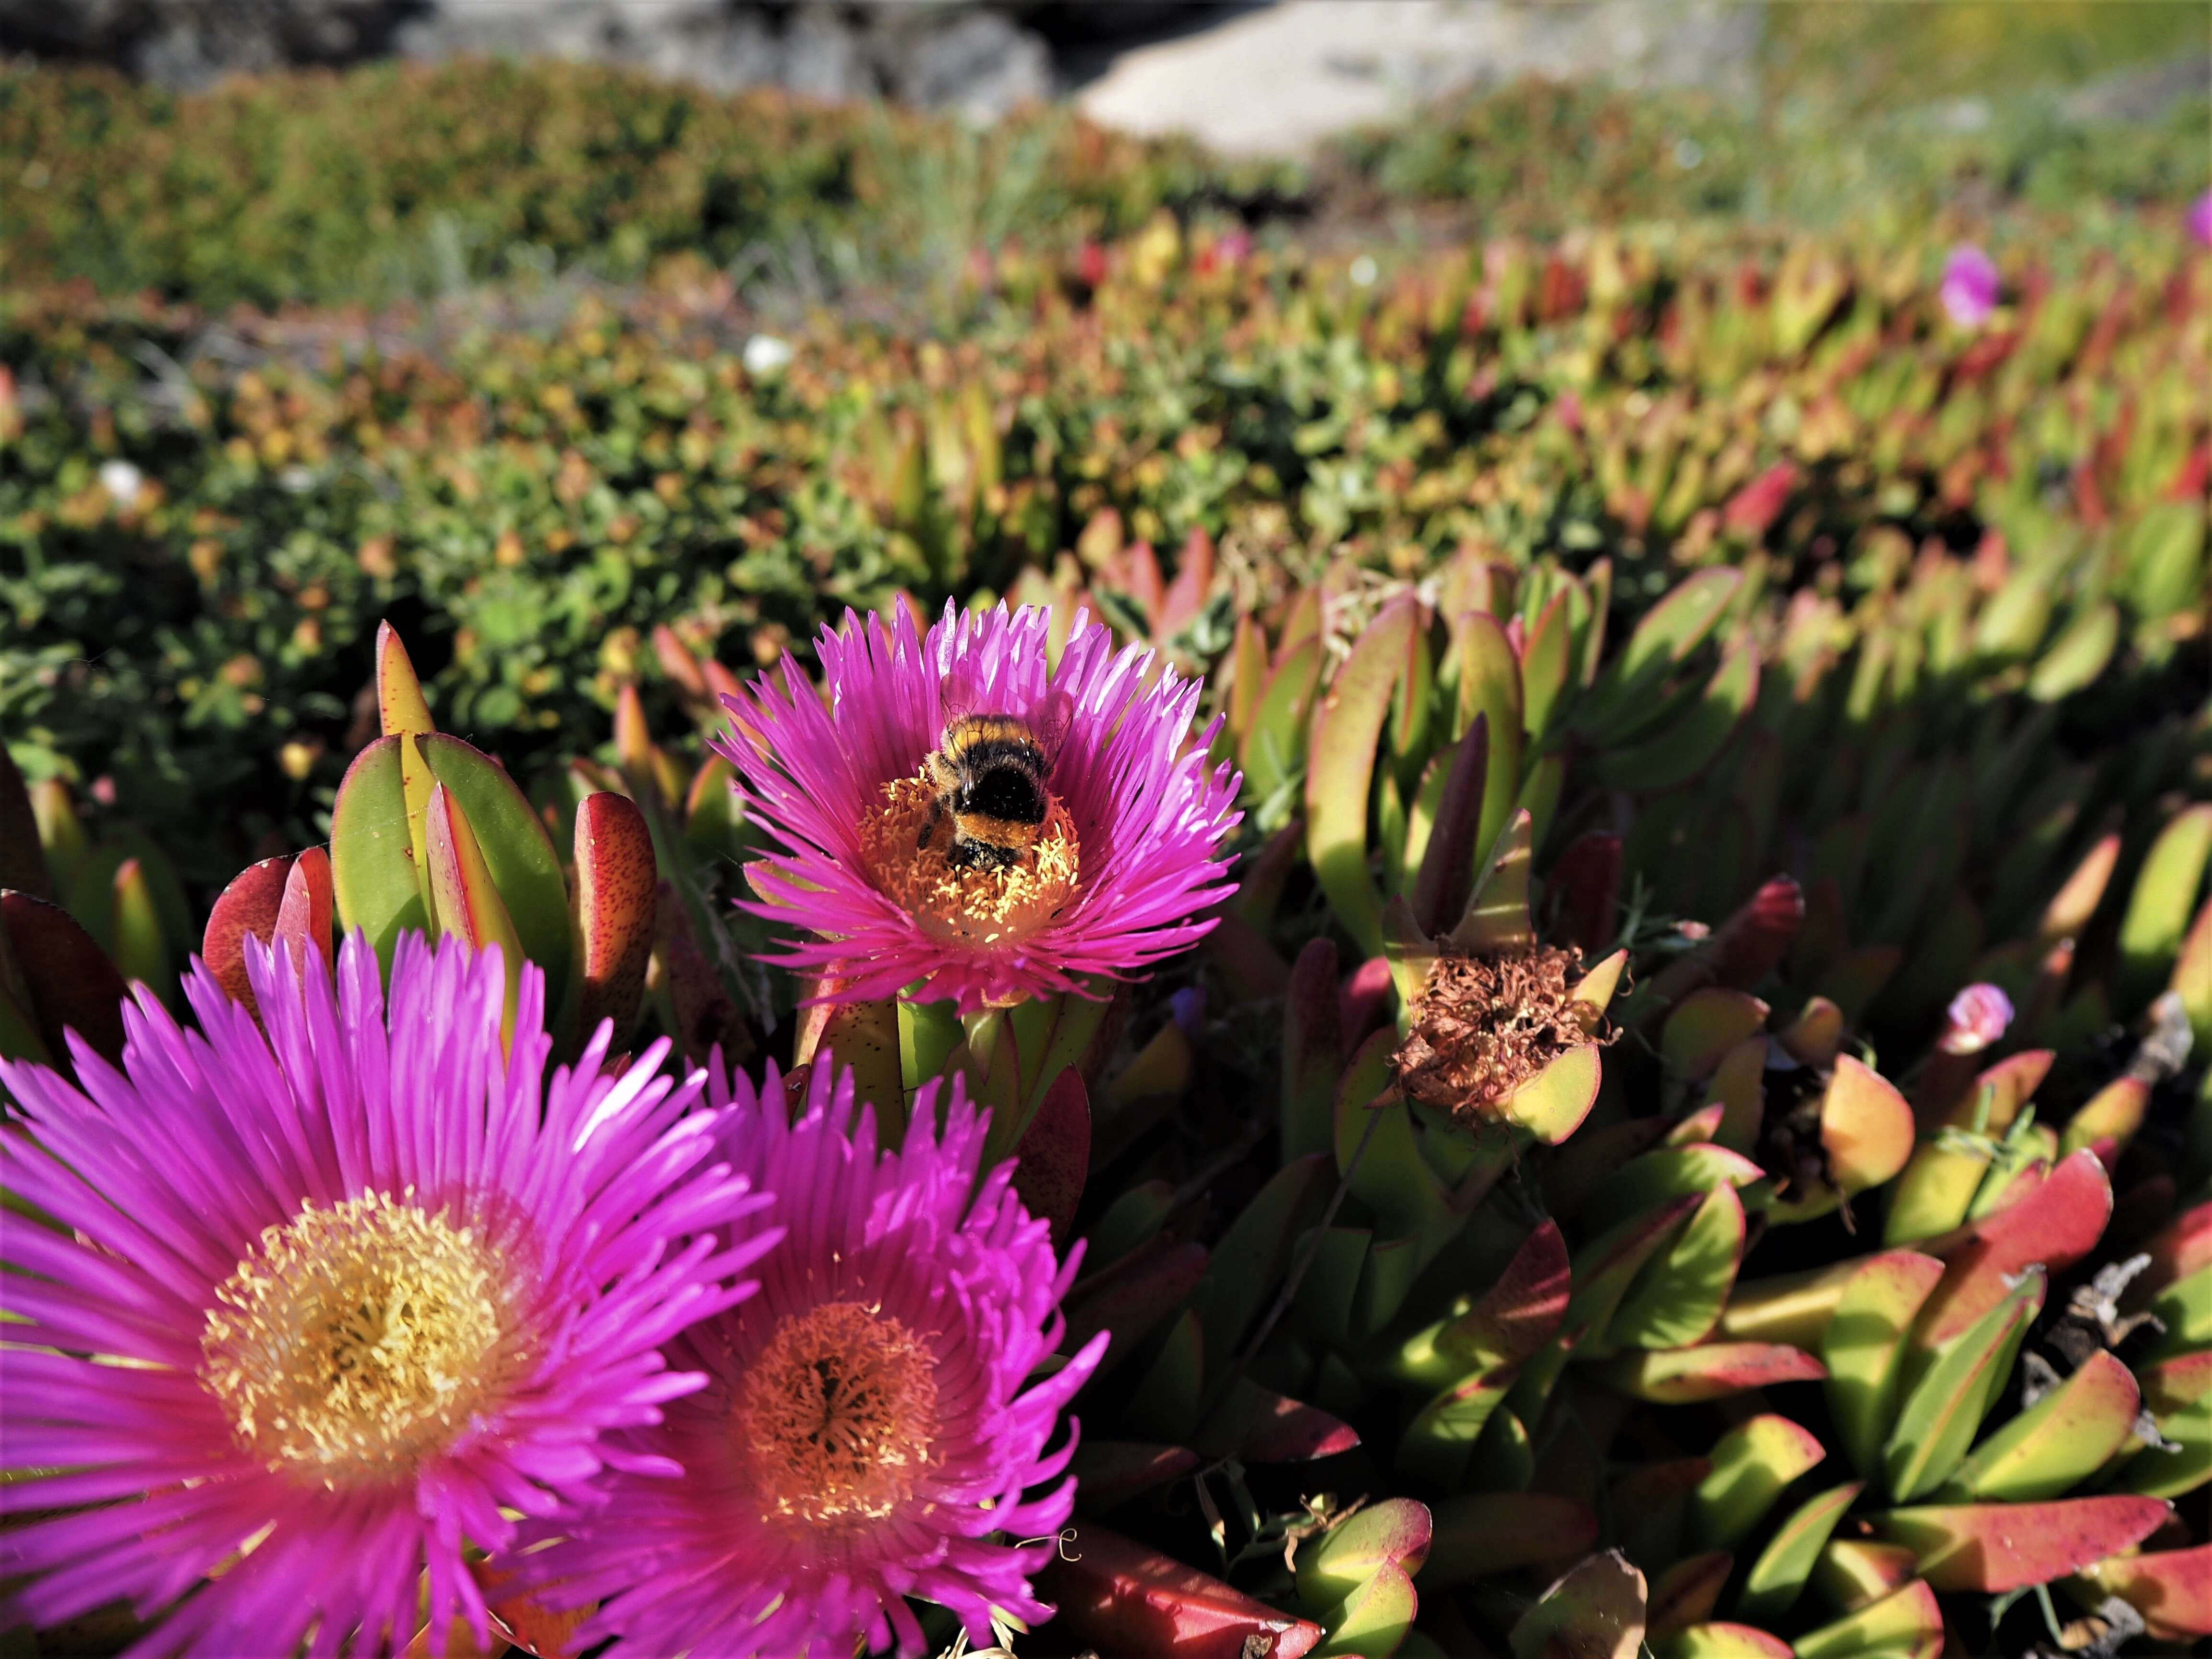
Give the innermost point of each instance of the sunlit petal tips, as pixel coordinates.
(327, 1305)
(866, 1434)
(1123, 871)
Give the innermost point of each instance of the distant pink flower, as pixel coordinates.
(341, 1298)
(871, 1431)
(1123, 864)
(1977, 1017)
(2200, 219)
(1968, 292)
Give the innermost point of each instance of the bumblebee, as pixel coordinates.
(989, 772)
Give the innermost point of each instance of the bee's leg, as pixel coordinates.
(929, 824)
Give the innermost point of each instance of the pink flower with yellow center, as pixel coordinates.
(326, 1304)
(881, 1417)
(961, 823)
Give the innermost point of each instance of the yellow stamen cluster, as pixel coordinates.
(836, 1413)
(967, 907)
(358, 1340)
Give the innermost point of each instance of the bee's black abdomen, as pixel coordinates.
(1008, 780)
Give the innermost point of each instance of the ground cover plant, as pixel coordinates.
(1581, 1027)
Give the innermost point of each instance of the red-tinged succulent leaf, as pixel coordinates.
(1521, 1311)
(1606, 1266)
(1313, 1049)
(1446, 876)
(1678, 1297)
(375, 873)
(518, 854)
(1120, 1596)
(2059, 1441)
(1855, 1573)
(1373, 1620)
(1496, 914)
(1552, 1105)
(304, 919)
(1687, 1592)
(1704, 1025)
(1491, 1532)
(1753, 509)
(2108, 1119)
(1395, 1532)
(1866, 1128)
(1489, 686)
(1544, 662)
(1129, 1297)
(1111, 1472)
(1814, 1037)
(400, 702)
(22, 859)
(1593, 992)
(1743, 950)
(2171, 1384)
(71, 983)
(2181, 1248)
(1693, 742)
(2077, 900)
(1255, 1424)
(1364, 1003)
(1186, 595)
(1864, 1347)
(1054, 1157)
(1752, 1463)
(1250, 970)
(1579, 1167)
(1671, 1172)
(1990, 1548)
(1908, 1625)
(463, 894)
(1772, 1586)
(1596, 1611)
(2055, 1226)
(248, 906)
(678, 664)
(617, 901)
(2172, 1589)
(1341, 763)
(1713, 1372)
(1719, 1639)
(1698, 1127)
(1252, 1256)
(1582, 892)
(1950, 1396)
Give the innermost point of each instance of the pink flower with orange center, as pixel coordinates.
(963, 823)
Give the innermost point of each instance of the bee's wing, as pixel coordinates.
(1050, 719)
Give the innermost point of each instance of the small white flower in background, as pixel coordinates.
(765, 355)
(122, 482)
(1364, 271)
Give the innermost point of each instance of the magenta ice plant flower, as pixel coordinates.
(1977, 1018)
(1969, 290)
(2200, 220)
(1117, 872)
(873, 1431)
(325, 1302)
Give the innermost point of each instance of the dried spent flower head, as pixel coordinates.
(1484, 1026)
